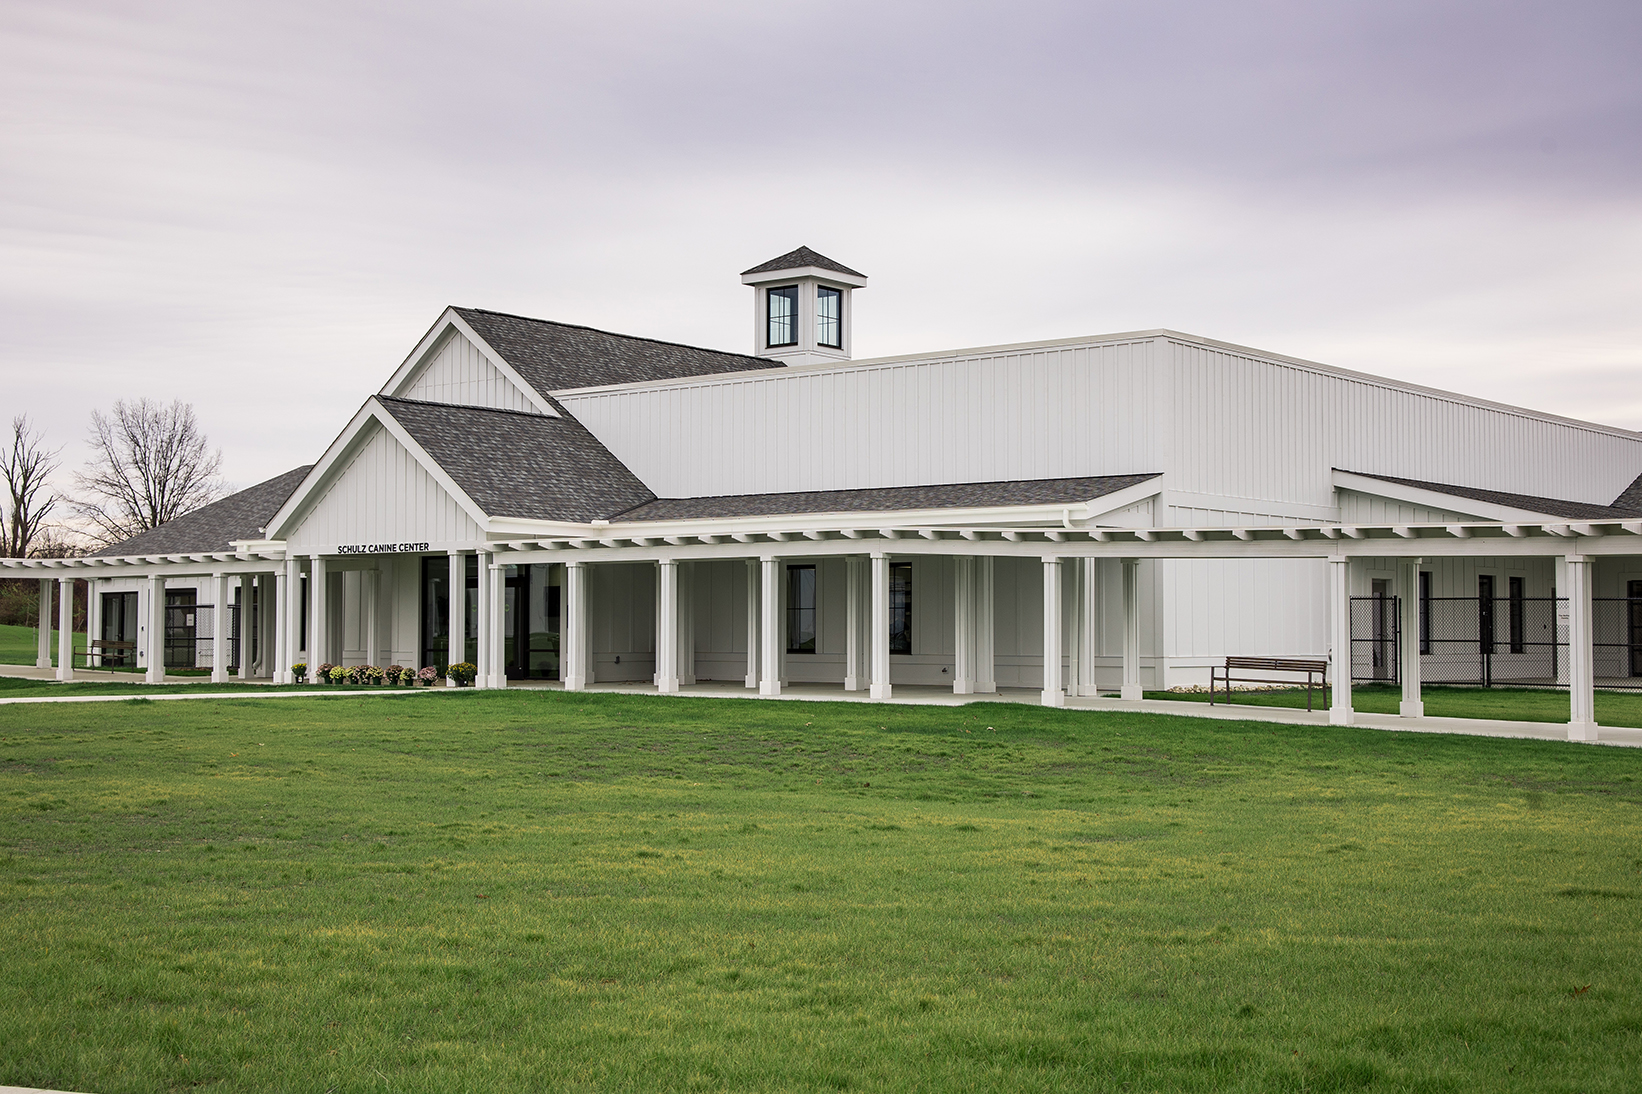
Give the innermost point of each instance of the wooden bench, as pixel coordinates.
(1316, 673)
(105, 646)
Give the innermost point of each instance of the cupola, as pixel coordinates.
(801, 307)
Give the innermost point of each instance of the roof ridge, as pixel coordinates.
(913, 486)
(767, 362)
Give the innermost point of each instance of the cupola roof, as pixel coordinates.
(798, 260)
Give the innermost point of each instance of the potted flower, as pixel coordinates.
(299, 672)
(464, 673)
(374, 675)
(395, 675)
(338, 674)
(427, 675)
(322, 675)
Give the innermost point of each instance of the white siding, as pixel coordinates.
(457, 371)
(1218, 422)
(1358, 508)
(382, 494)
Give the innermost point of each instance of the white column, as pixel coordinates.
(456, 647)
(1339, 643)
(497, 643)
(1072, 576)
(1052, 695)
(574, 659)
(481, 622)
(986, 679)
(370, 593)
(963, 625)
(42, 652)
(319, 637)
(769, 682)
(854, 674)
(1412, 706)
(686, 623)
(753, 608)
(1581, 666)
(1089, 642)
(94, 620)
(1130, 688)
(242, 628)
(156, 629)
(284, 645)
(667, 627)
(880, 687)
(65, 628)
(219, 628)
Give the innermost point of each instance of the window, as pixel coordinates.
(900, 607)
(1485, 612)
(1519, 640)
(1425, 611)
(829, 317)
(800, 609)
(781, 311)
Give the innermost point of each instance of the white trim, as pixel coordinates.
(1433, 499)
(450, 320)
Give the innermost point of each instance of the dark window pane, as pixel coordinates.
(1519, 640)
(900, 607)
(782, 313)
(829, 327)
(1485, 612)
(800, 609)
(435, 609)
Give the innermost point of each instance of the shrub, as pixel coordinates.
(299, 672)
(464, 672)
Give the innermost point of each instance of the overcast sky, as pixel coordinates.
(260, 208)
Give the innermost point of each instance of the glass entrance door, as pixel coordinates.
(530, 624)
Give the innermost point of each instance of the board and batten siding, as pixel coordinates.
(458, 372)
(1219, 422)
(382, 495)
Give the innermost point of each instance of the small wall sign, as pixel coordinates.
(382, 548)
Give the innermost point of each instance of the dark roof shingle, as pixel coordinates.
(558, 356)
(1551, 507)
(798, 259)
(960, 495)
(1631, 498)
(213, 527)
(513, 464)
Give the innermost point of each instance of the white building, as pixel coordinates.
(1115, 512)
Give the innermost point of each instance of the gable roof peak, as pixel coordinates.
(800, 258)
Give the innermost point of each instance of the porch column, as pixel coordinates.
(369, 593)
(497, 643)
(319, 645)
(1130, 688)
(963, 625)
(1412, 705)
(667, 627)
(219, 628)
(880, 687)
(481, 622)
(284, 582)
(986, 679)
(853, 667)
(752, 622)
(247, 590)
(1581, 667)
(94, 621)
(456, 648)
(686, 623)
(156, 629)
(769, 682)
(1089, 628)
(1052, 695)
(65, 628)
(1339, 641)
(574, 662)
(42, 650)
(1072, 577)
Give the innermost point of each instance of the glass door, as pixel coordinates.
(530, 623)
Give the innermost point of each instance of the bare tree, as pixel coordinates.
(26, 465)
(150, 465)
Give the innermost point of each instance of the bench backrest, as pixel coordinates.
(1276, 664)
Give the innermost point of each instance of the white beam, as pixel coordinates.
(42, 651)
(769, 682)
(963, 625)
(986, 679)
(753, 610)
(65, 628)
(667, 628)
(853, 624)
(156, 629)
(880, 687)
(219, 628)
(1052, 695)
(1581, 666)
(575, 662)
(456, 642)
(1130, 688)
(1339, 627)
(1413, 704)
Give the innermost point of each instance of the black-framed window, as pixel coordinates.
(1515, 615)
(781, 316)
(900, 607)
(1425, 611)
(829, 317)
(800, 609)
(1485, 612)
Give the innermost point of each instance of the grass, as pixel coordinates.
(1613, 708)
(534, 891)
(17, 645)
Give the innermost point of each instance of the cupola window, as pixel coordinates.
(782, 314)
(829, 317)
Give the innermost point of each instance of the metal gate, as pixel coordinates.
(1376, 639)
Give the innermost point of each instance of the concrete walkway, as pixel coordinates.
(905, 695)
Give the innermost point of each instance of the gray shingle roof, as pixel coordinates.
(797, 260)
(1551, 507)
(213, 527)
(1632, 496)
(960, 495)
(522, 465)
(556, 356)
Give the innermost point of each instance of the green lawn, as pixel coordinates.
(1613, 708)
(540, 891)
(17, 645)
